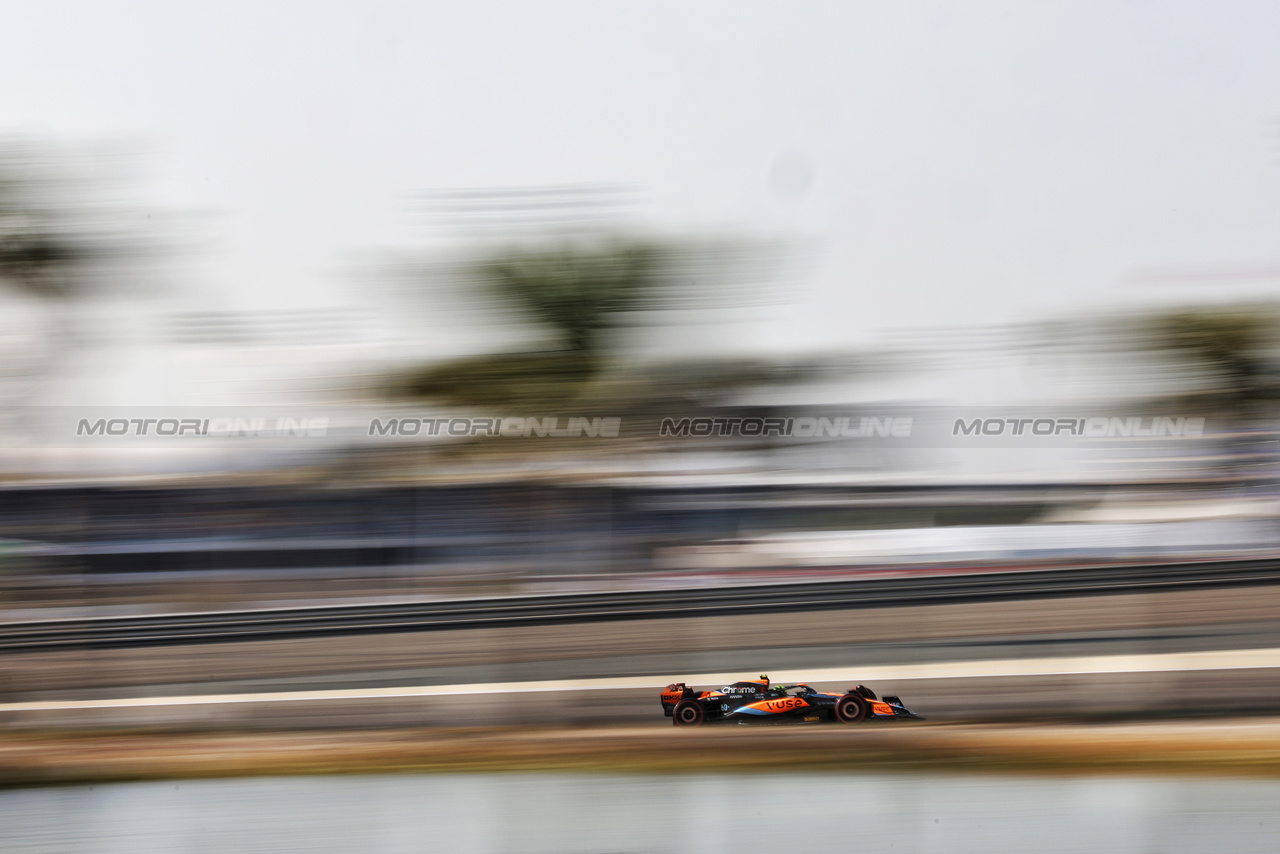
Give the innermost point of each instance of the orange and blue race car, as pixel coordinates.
(759, 701)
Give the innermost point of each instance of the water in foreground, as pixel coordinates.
(611, 814)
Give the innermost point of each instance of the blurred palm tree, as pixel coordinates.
(578, 292)
(579, 295)
(1232, 350)
(575, 294)
(64, 238)
(39, 247)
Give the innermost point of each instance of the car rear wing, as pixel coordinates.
(673, 694)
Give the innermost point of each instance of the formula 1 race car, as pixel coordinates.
(757, 701)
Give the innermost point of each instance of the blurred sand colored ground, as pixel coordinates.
(1230, 747)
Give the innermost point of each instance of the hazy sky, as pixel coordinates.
(956, 163)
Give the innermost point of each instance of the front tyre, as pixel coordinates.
(851, 709)
(687, 713)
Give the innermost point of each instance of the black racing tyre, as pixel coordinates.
(687, 713)
(851, 709)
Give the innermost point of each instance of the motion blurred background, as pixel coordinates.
(411, 307)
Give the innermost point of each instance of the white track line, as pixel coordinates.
(1233, 659)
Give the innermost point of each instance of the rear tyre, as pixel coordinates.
(851, 709)
(687, 713)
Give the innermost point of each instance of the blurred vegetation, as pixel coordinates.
(576, 294)
(580, 295)
(551, 380)
(68, 237)
(39, 250)
(1232, 351)
(62, 230)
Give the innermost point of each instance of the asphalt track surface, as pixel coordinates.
(1166, 663)
(845, 594)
